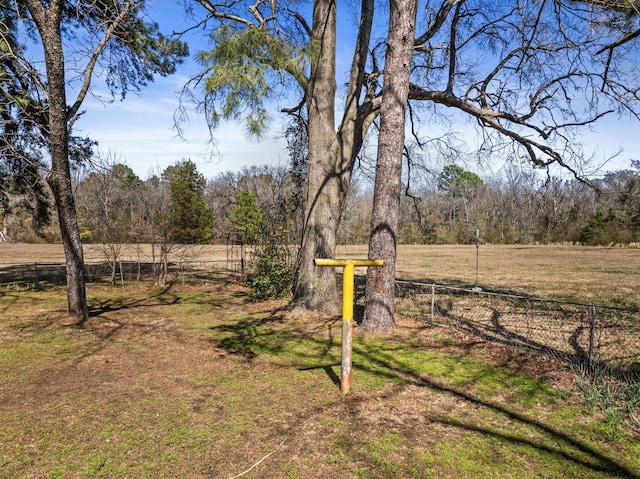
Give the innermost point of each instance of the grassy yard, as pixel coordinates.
(195, 381)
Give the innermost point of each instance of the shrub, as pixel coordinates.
(271, 274)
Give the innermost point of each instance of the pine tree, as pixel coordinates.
(191, 217)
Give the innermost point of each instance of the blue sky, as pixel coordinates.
(140, 130)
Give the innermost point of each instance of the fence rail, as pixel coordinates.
(20, 274)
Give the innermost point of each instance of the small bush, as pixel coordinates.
(271, 274)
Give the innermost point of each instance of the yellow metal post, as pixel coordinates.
(348, 266)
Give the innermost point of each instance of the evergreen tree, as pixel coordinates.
(456, 181)
(20, 164)
(247, 219)
(191, 217)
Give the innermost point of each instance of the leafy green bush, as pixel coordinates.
(271, 274)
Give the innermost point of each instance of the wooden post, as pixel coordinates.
(347, 310)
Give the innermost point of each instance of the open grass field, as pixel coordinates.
(575, 273)
(196, 381)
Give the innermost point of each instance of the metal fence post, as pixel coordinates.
(433, 303)
(592, 331)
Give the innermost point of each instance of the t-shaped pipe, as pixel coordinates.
(348, 266)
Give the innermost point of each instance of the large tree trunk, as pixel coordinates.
(331, 155)
(60, 176)
(316, 287)
(380, 288)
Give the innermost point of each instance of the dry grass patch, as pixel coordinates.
(576, 273)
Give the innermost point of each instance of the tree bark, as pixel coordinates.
(59, 179)
(316, 287)
(380, 288)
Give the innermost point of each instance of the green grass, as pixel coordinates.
(196, 382)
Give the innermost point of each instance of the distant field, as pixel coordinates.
(51, 253)
(576, 273)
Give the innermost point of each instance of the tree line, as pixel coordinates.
(519, 207)
(179, 206)
(449, 206)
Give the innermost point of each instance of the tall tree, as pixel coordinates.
(513, 68)
(110, 37)
(456, 181)
(531, 74)
(459, 187)
(380, 288)
(190, 215)
(270, 44)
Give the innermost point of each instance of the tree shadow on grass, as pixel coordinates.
(575, 450)
(161, 297)
(251, 337)
(110, 316)
(328, 369)
(269, 332)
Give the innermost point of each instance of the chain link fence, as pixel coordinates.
(578, 333)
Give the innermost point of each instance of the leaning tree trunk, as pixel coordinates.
(380, 288)
(316, 287)
(59, 178)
